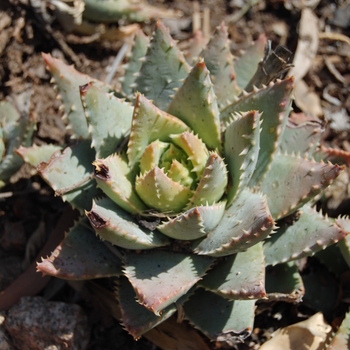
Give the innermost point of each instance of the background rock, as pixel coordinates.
(36, 324)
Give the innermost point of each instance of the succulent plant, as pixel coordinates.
(81, 16)
(201, 185)
(15, 130)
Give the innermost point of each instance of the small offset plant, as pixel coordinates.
(15, 130)
(204, 179)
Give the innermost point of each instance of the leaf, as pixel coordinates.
(113, 11)
(68, 81)
(194, 223)
(233, 319)
(219, 60)
(195, 104)
(134, 64)
(160, 192)
(109, 119)
(163, 69)
(137, 320)
(246, 222)
(68, 171)
(116, 226)
(34, 155)
(195, 149)
(300, 136)
(307, 44)
(284, 283)
(116, 179)
(273, 101)
(81, 255)
(242, 144)
(240, 276)
(160, 277)
(17, 130)
(292, 181)
(212, 184)
(310, 233)
(310, 334)
(245, 66)
(149, 123)
(341, 339)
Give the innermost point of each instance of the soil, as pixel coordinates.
(28, 202)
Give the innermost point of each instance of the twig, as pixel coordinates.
(334, 36)
(118, 59)
(239, 14)
(334, 70)
(206, 23)
(196, 17)
(9, 194)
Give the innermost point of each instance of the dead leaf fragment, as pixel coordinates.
(306, 335)
(307, 44)
(307, 100)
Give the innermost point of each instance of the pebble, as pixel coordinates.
(5, 343)
(37, 324)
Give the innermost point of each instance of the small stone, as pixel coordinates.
(36, 324)
(5, 343)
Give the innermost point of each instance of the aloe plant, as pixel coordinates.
(201, 185)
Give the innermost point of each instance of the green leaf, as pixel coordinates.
(17, 130)
(344, 245)
(242, 144)
(300, 136)
(292, 181)
(163, 69)
(194, 223)
(195, 149)
(284, 283)
(219, 60)
(246, 65)
(68, 81)
(134, 64)
(149, 124)
(246, 222)
(334, 155)
(80, 256)
(196, 45)
(68, 172)
(274, 102)
(35, 154)
(160, 278)
(137, 320)
(219, 318)
(152, 155)
(108, 117)
(212, 184)
(239, 276)
(195, 104)
(160, 192)
(116, 179)
(309, 233)
(116, 226)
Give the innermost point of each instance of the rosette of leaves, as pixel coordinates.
(201, 185)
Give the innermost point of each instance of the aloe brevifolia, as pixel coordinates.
(200, 185)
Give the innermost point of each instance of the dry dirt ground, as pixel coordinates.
(28, 209)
